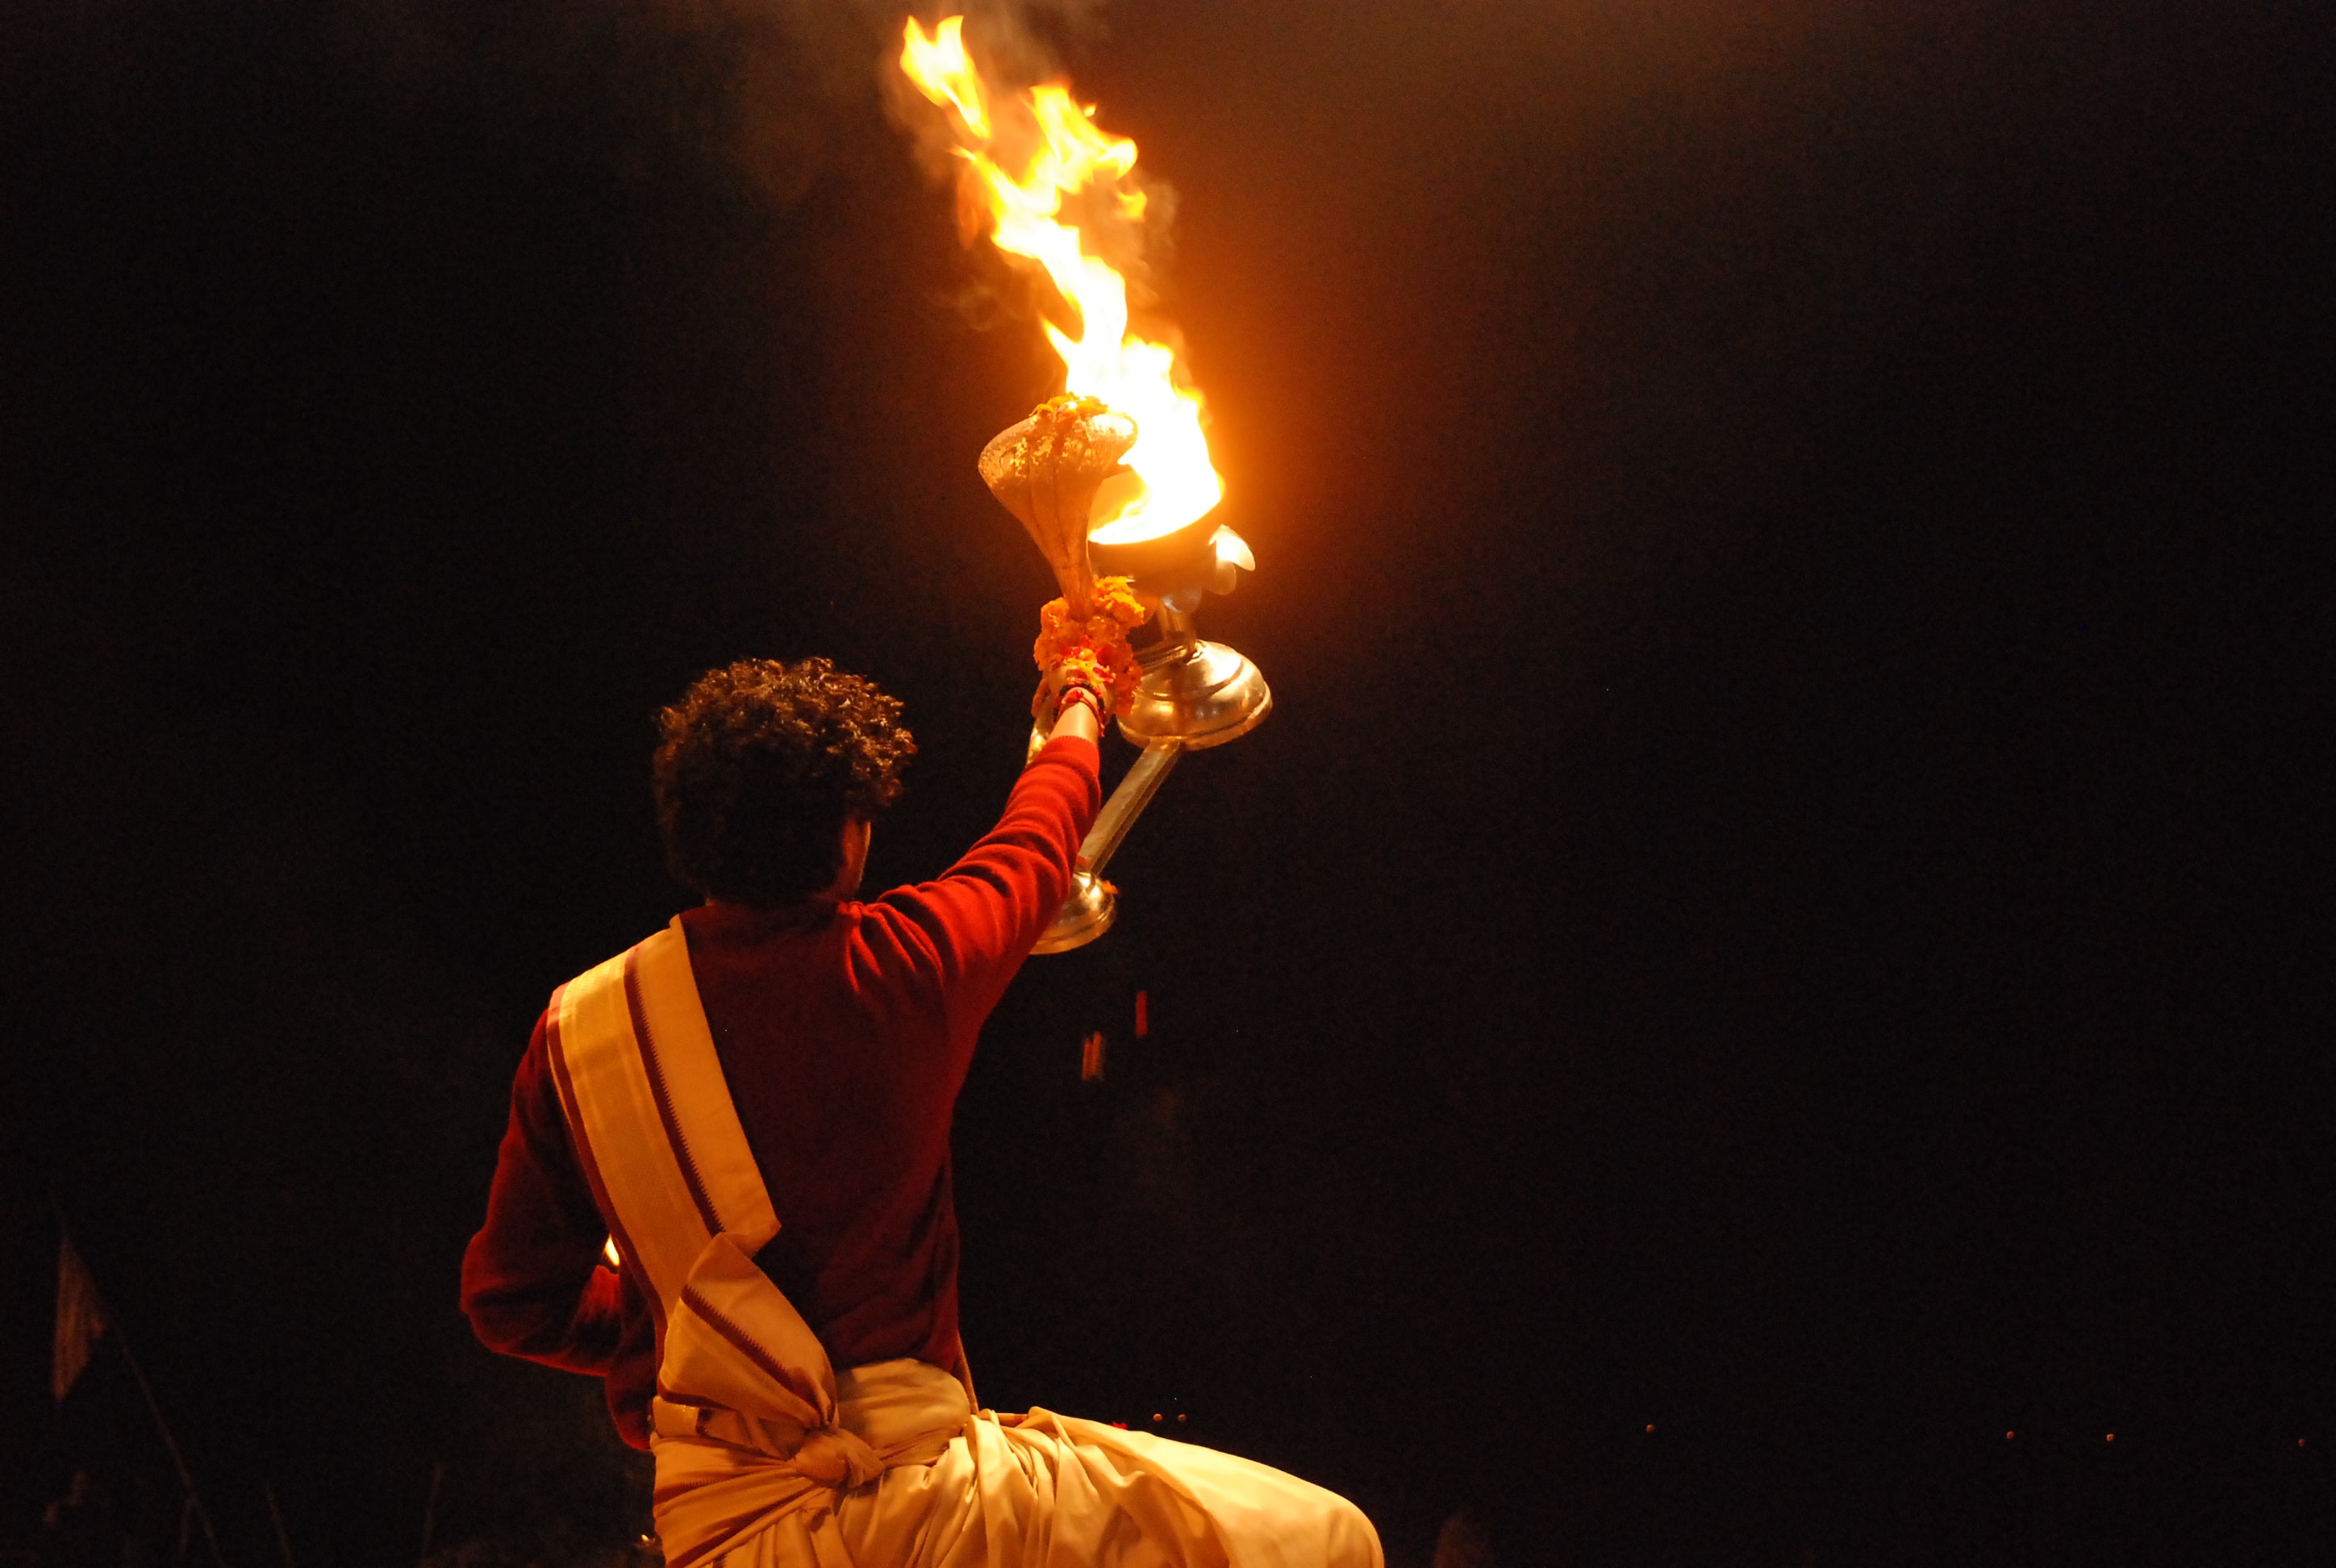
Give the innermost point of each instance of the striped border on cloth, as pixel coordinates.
(650, 1114)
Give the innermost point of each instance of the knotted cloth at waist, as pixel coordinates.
(753, 1429)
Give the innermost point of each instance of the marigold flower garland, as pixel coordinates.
(1092, 652)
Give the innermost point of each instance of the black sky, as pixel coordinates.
(1784, 898)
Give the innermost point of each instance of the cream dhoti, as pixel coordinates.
(770, 1461)
(766, 1456)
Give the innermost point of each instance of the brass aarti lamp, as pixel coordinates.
(1194, 694)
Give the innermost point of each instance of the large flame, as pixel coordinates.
(1062, 153)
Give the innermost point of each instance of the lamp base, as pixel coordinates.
(1086, 914)
(1196, 693)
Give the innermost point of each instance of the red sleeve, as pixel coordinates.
(973, 927)
(533, 1280)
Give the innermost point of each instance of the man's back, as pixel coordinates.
(844, 1032)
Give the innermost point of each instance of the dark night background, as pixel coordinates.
(1779, 931)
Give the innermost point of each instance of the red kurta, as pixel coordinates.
(845, 1031)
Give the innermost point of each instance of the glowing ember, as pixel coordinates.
(1060, 154)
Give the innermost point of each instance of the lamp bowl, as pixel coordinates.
(1170, 564)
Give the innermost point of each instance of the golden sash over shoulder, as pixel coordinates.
(651, 1113)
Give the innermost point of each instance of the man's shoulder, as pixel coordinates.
(896, 930)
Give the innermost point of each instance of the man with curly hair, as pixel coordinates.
(750, 1112)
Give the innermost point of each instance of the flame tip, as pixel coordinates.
(1062, 151)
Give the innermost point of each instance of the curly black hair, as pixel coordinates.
(758, 767)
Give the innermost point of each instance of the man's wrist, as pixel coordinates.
(1080, 717)
(1087, 697)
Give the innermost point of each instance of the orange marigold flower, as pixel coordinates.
(1093, 649)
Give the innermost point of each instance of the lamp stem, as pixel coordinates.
(1126, 803)
(1171, 626)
